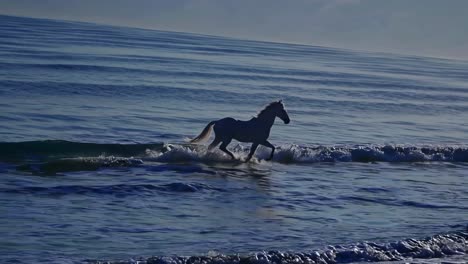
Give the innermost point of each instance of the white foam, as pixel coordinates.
(312, 154)
(185, 153)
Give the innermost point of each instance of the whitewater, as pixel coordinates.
(95, 164)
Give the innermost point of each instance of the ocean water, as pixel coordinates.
(95, 164)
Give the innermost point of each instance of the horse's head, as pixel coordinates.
(281, 112)
(274, 109)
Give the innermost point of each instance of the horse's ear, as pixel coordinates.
(280, 101)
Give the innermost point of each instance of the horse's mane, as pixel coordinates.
(265, 110)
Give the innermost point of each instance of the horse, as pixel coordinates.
(255, 130)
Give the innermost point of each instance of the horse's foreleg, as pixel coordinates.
(252, 151)
(268, 144)
(223, 148)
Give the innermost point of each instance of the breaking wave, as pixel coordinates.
(53, 156)
(437, 246)
(312, 154)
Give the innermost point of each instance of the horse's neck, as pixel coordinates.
(267, 119)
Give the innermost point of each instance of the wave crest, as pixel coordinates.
(312, 154)
(437, 246)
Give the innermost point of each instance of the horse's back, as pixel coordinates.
(234, 123)
(244, 131)
(224, 125)
(226, 121)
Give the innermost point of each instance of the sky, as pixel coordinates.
(434, 28)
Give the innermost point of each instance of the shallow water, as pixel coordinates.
(94, 162)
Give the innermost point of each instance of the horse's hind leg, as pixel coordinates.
(252, 151)
(223, 148)
(214, 143)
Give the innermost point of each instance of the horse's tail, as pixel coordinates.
(204, 134)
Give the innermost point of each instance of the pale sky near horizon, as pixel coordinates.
(421, 27)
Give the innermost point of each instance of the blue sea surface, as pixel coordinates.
(95, 163)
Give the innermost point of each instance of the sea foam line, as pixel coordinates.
(312, 154)
(437, 246)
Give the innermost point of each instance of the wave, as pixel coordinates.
(368, 153)
(120, 190)
(38, 150)
(412, 98)
(53, 156)
(313, 154)
(77, 164)
(299, 80)
(437, 246)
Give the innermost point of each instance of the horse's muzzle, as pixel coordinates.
(287, 121)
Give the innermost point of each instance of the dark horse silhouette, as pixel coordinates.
(256, 130)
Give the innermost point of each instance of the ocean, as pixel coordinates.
(95, 163)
